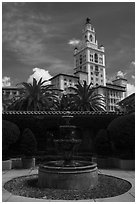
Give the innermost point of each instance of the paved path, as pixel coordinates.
(126, 197)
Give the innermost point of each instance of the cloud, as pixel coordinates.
(130, 72)
(29, 36)
(130, 89)
(133, 64)
(38, 73)
(26, 34)
(6, 81)
(120, 74)
(74, 42)
(118, 54)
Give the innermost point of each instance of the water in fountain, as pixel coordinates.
(68, 173)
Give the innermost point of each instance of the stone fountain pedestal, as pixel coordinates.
(82, 177)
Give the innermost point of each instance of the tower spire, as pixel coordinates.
(88, 20)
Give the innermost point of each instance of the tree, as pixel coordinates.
(64, 103)
(85, 98)
(122, 135)
(28, 144)
(102, 143)
(35, 97)
(10, 134)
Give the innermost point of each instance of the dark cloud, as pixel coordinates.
(37, 35)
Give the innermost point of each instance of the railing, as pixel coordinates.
(61, 113)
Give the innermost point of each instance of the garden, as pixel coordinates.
(31, 124)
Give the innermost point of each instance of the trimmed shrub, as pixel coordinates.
(10, 134)
(28, 143)
(122, 134)
(102, 143)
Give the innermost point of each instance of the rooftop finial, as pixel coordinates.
(88, 20)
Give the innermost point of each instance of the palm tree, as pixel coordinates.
(35, 97)
(64, 102)
(85, 98)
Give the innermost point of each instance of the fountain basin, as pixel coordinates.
(81, 175)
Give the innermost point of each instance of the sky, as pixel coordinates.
(38, 38)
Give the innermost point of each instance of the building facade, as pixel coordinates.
(8, 93)
(90, 66)
(113, 94)
(63, 82)
(89, 58)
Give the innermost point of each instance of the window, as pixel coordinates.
(96, 79)
(96, 68)
(96, 84)
(14, 92)
(84, 58)
(96, 57)
(84, 68)
(101, 60)
(91, 67)
(7, 92)
(91, 73)
(101, 75)
(80, 59)
(64, 79)
(91, 78)
(96, 74)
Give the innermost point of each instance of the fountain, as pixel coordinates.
(68, 173)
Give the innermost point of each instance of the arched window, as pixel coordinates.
(96, 57)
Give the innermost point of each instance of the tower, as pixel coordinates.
(89, 58)
(121, 81)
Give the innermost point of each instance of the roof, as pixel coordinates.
(62, 113)
(128, 100)
(12, 87)
(81, 72)
(114, 87)
(120, 78)
(68, 75)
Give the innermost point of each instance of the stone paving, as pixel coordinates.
(126, 197)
